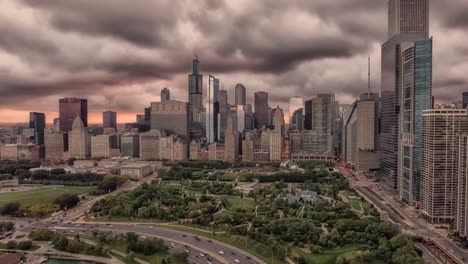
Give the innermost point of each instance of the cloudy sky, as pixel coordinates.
(119, 54)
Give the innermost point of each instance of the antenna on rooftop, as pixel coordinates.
(368, 78)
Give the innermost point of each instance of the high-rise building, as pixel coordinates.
(240, 118)
(240, 94)
(231, 142)
(212, 109)
(165, 94)
(278, 120)
(79, 140)
(408, 17)
(102, 146)
(408, 21)
(465, 100)
(54, 142)
(359, 134)
(415, 97)
(223, 112)
(439, 163)
(247, 147)
(261, 109)
(195, 91)
(109, 120)
(308, 115)
(295, 103)
(323, 123)
(69, 109)
(295, 142)
(37, 124)
(130, 145)
(249, 123)
(275, 144)
(150, 144)
(171, 116)
(461, 211)
(297, 119)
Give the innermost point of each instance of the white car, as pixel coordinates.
(186, 250)
(202, 255)
(236, 260)
(221, 252)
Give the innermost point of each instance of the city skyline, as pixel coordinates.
(276, 68)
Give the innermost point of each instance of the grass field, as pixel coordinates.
(41, 195)
(328, 256)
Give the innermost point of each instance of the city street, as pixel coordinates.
(405, 216)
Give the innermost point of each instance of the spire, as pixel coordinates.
(368, 78)
(195, 63)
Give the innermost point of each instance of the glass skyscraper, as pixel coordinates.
(408, 22)
(416, 96)
(37, 122)
(261, 109)
(212, 109)
(195, 91)
(240, 94)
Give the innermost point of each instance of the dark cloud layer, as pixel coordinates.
(119, 53)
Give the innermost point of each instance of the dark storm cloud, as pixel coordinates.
(121, 52)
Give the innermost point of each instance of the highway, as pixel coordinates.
(199, 248)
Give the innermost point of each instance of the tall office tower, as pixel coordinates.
(56, 124)
(295, 142)
(465, 99)
(359, 133)
(240, 94)
(79, 140)
(54, 143)
(148, 116)
(109, 120)
(275, 144)
(171, 116)
(150, 144)
(195, 92)
(439, 164)
(240, 118)
(408, 21)
(212, 109)
(408, 17)
(278, 120)
(295, 103)
(415, 97)
(323, 123)
(223, 112)
(308, 115)
(261, 109)
(231, 142)
(130, 145)
(297, 119)
(104, 146)
(165, 94)
(37, 123)
(249, 117)
(69, 109)
(461, 213)
(247, 147)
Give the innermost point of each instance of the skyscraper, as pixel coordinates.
(109, 119)
(240, 94)
(261, 109)
(79, 140)
(415, 96)
(461, 213)
(439, 170)
(212, 109)
(37, 123)
(295, 103)
(195, 91)
(408, 21)
(408, 17)
(297, 119)
(278, 120)
(465, 99)
(308, 115)
(165, 94)
(171, 116)
(223, 112)
(323, 123)
(69, 109)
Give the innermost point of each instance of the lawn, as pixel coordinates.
(328, 256)
(237, 202)
(41, 195)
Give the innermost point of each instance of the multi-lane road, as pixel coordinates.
(406, 217)
(199, 249)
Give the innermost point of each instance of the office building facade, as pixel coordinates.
(240, 98)
(109, 120)
(212, 109)
(37, 122)
(195, 91)
(171, 116)
(165, 94)
(261, 109)
(69, 109)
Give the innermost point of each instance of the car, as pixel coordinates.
(248, 257)
(186, 250)
(184, 235)
(237, 261)
(221, 252)
(202, 255)
(197, 238)
(451, 250)
(210, 241)
(233, 253)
